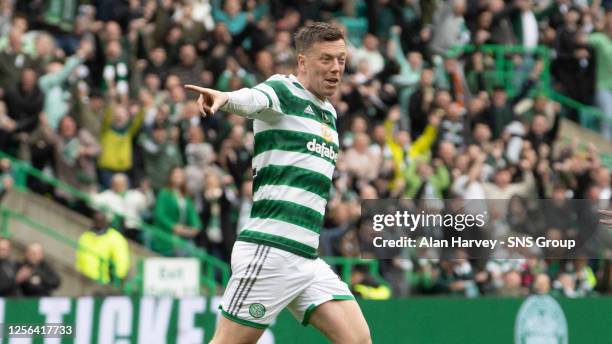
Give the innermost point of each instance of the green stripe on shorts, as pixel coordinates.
(242, 321)
(343, 297)
(311, 308)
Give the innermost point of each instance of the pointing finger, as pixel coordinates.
(196, 88)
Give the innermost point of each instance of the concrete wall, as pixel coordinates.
(60, 252)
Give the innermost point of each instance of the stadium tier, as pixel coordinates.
(272, 171)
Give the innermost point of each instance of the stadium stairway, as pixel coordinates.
(573, 131)
(33, 218)
(503, 70)
(214, 273)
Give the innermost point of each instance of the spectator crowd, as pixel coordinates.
(92, 92)
(31, 277)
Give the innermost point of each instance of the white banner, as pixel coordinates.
(177, 277)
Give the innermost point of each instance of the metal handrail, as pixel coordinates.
(506, 66)
(212, 266)
(348, 263)
(6, 214)
(504, 69)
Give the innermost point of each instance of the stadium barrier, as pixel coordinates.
(345, 265)
(539, 319)
(212, 267)
(215, 274)
(6, 215)
(508, 73)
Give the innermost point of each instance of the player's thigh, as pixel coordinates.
(229, 332)
(341, 321)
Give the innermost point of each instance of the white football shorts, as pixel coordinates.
(266, 279)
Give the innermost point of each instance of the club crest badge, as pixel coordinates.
(540, 320)
(257, 310)
(326, 133)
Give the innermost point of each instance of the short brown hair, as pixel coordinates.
(315, 33)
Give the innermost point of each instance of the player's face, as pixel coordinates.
(323, 66)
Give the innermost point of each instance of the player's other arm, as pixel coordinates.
(606, 218)
(247, 102)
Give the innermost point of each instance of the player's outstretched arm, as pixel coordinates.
(244, 102)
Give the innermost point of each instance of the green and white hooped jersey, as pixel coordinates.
(294, 159)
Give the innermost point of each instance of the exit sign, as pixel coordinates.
(176, 277)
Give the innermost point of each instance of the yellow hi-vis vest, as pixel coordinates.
(382, 292)
(97, 252)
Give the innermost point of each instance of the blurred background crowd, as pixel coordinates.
(92, 93)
